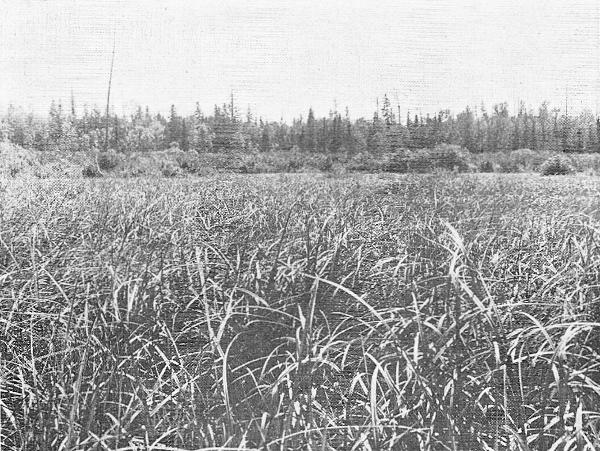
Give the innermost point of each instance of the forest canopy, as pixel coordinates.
(226, 129)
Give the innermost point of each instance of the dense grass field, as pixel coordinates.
(300, 312)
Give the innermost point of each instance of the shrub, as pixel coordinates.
(486, 166)
(442, 157)
(520, 160)
(136, 172)
(524, 159)
(14, 170)
(507, 165)
(366, 162)
(398, 162)
(188, 161)
(424, 160)
(108, 160)
(294, 164)
(589, 162)
(326, 165)
(91, 170)
(169, 170)
(557, 165)
(451, 157)
(248, 167)
(271, 162)
(337, 170)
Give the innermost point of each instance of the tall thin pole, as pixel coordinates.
(597, 68)
(112, 62)
(398, 105)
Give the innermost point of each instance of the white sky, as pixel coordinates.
(281, 56)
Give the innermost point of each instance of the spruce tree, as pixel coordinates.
(387, 112)
(311, 132)
(265, 140)
(185, 137)
(55, 123)
(173, 130)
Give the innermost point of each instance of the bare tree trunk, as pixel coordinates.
(108, 95)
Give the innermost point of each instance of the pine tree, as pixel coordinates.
(311, 132)
(543, 120)
(323, 136)
(592, 144)
(597, 135)
(201, 135)
(534, 143)
(203, 138)
(566, 134)
(55, 123)
(116, 134)
(73, 112)
(173, 130)
(265, 140)
(185, 136)
(376, 136)
(349, 141)
(336, 134)
(233, 112)
(466, 124)
(387, 112)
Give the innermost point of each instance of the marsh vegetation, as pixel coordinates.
(300, 311)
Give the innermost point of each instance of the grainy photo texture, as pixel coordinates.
(299, 225)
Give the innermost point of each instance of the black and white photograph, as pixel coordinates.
(312, 225)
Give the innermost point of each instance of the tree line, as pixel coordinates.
(227, 130)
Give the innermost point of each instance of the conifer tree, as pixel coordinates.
(387, 112)
(311, 132)
(173, 129)
(265, 140)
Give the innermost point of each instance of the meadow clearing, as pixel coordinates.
(300, 311)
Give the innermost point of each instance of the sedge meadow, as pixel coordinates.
(301, 311)
(293, 225)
